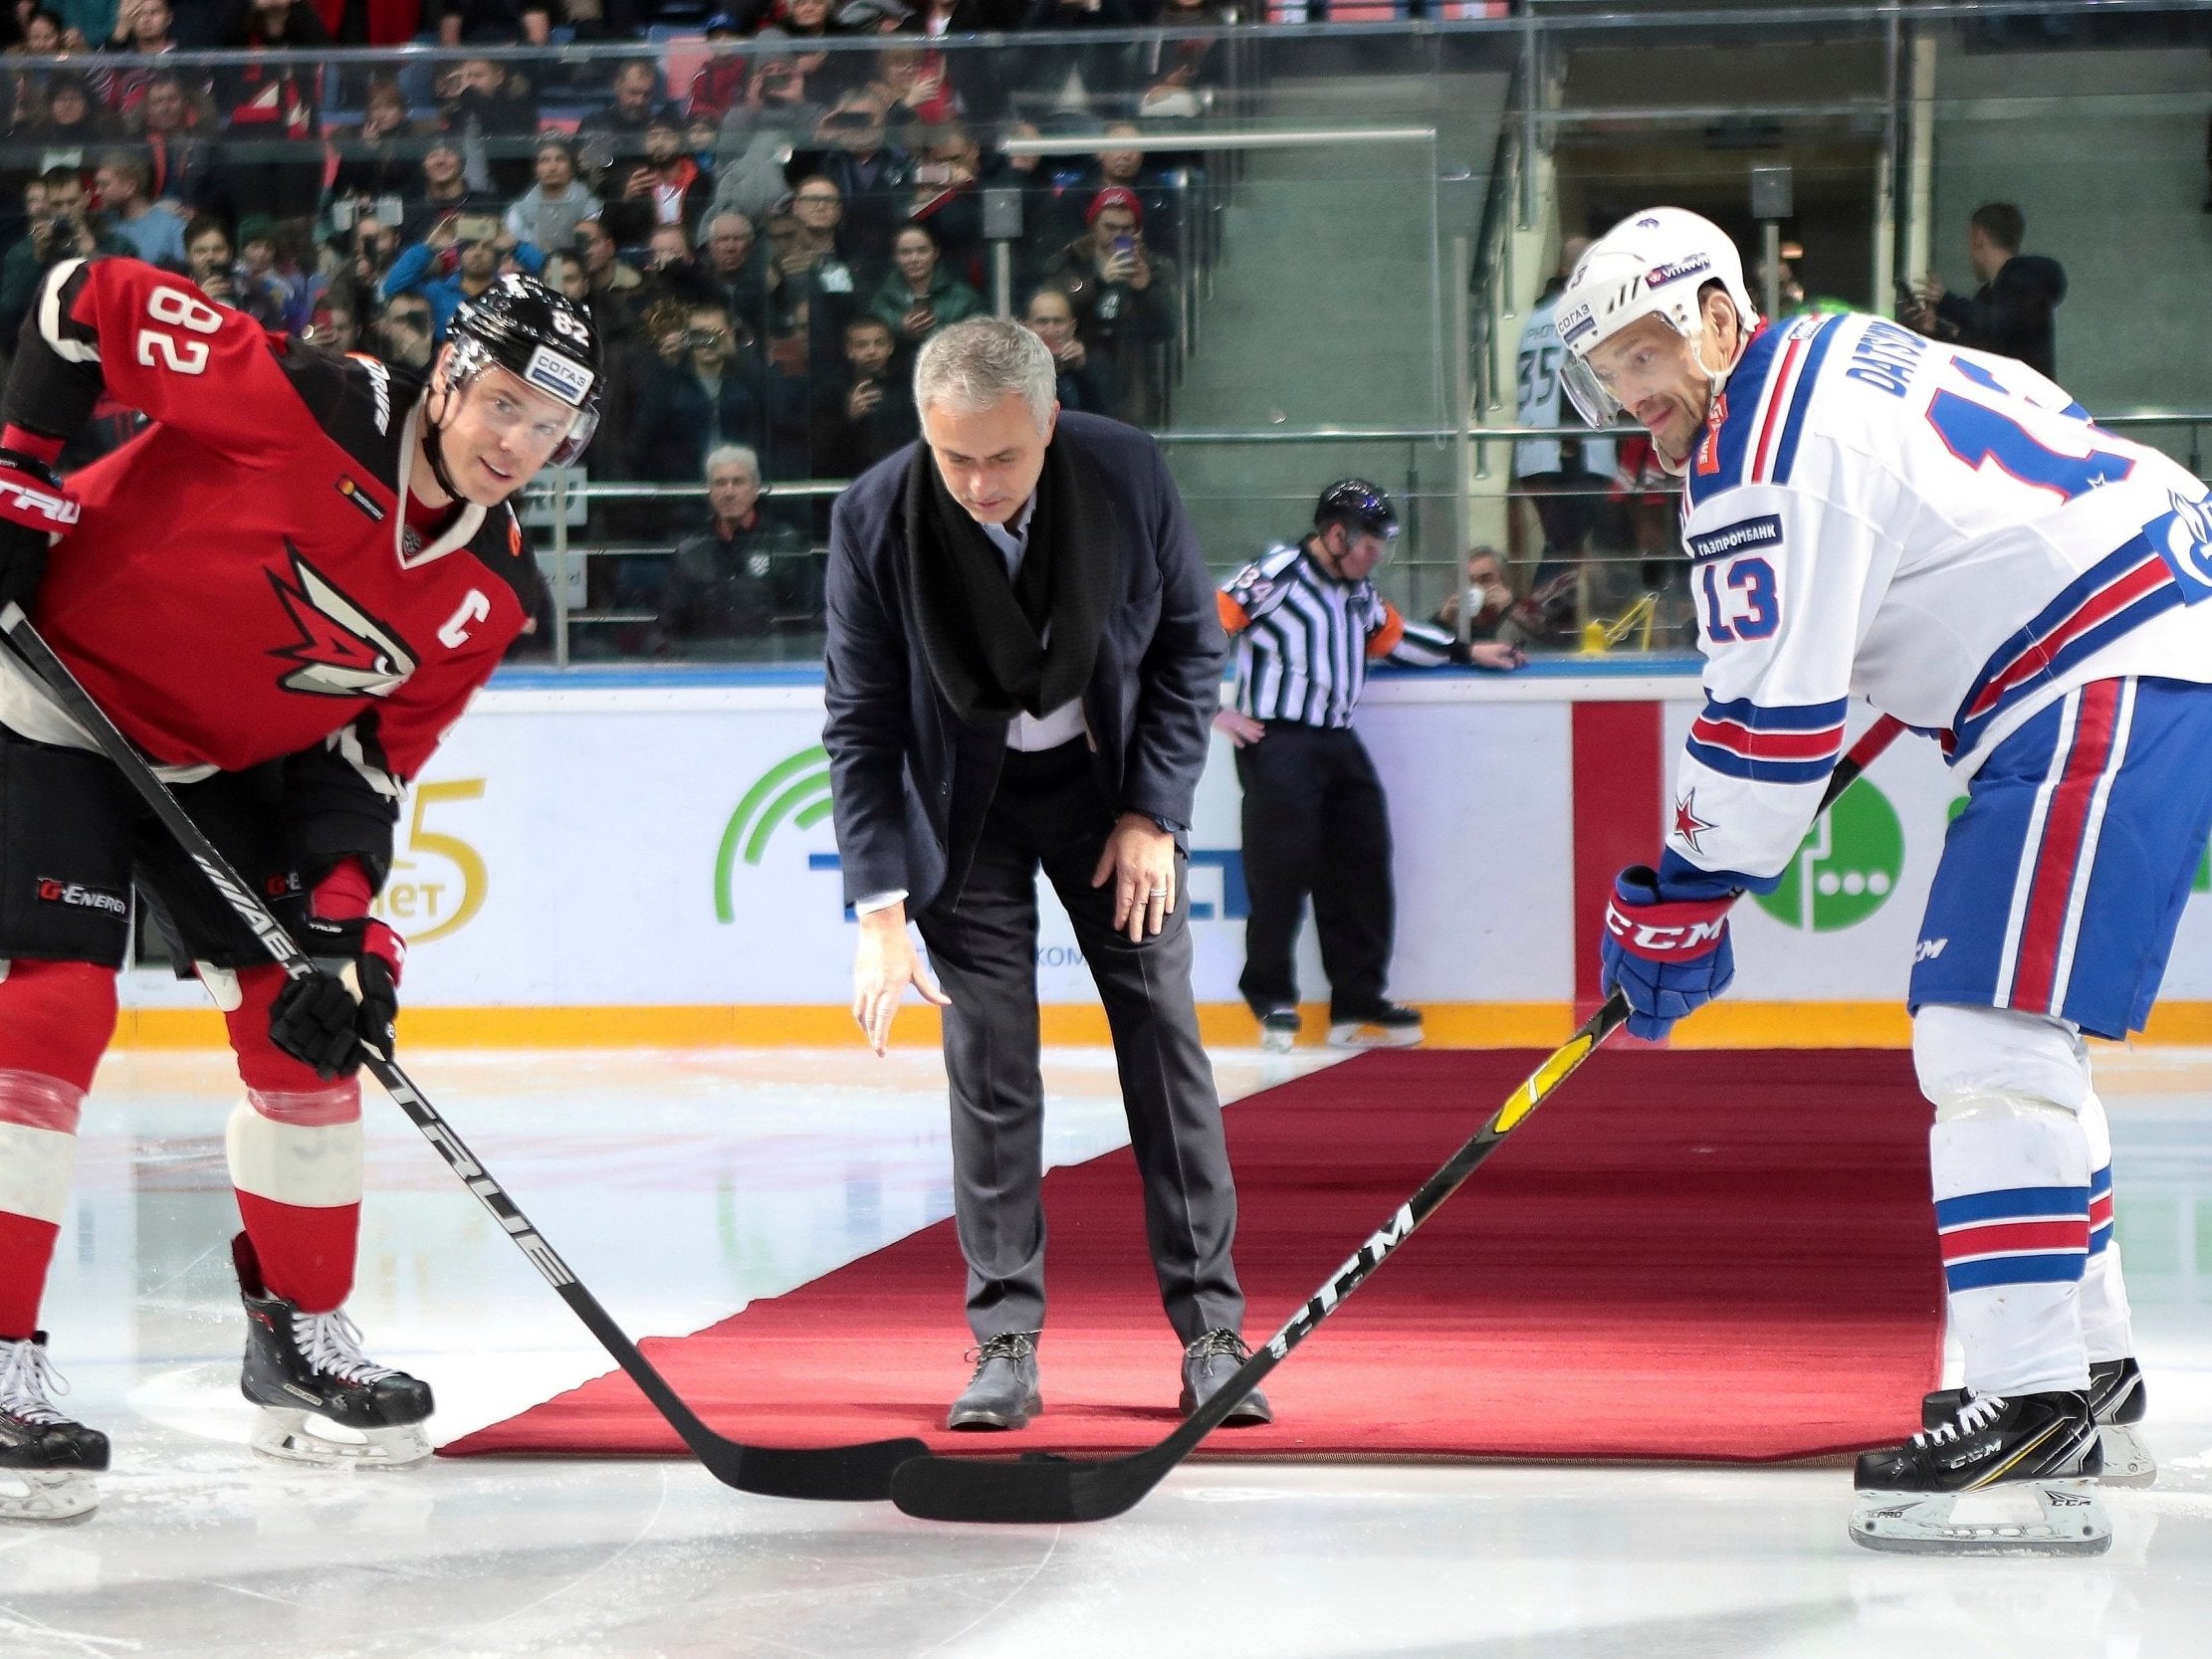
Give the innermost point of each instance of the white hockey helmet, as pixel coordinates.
(1652, 264)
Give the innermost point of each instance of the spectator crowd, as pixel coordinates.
(766, 210)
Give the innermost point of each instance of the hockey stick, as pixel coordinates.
(1050, 1488)
(851, 1473)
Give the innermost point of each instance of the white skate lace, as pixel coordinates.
(1974, 1417)
(332, 1345)
(27, 1377)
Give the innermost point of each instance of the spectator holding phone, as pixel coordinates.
(920, 296)
(668, 184)
(874, 178)
(864, 414)
(1123, 297)
(459, 261)
(1082, 385)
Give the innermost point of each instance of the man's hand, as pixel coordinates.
(1931, 289)
(1139, 858)
(860, 403)
(348, 1005)
(882, 968)
(33, 509)
(1496, 654)
(1669, 955)
(1240, 730)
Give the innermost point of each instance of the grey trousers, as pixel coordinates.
(981, 941)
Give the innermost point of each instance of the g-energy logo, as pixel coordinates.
(76, 896)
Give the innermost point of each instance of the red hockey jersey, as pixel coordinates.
(242, 584)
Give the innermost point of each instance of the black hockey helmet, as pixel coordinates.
(1361, 505)
(543, 338)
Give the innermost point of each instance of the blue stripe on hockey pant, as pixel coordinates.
(2150, 817)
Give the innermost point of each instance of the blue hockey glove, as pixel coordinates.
(1670, 956)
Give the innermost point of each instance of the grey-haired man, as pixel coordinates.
(1023, 658)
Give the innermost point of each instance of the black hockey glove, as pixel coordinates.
(352, 1000)
(33, 509)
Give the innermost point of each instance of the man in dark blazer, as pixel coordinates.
(1025, 655)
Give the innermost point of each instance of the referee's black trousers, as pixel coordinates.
(1315, 822)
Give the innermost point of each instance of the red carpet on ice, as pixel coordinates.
(1708, 1256)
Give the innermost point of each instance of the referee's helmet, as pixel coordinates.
(1359, 504)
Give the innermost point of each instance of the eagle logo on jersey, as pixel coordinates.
(342, 650)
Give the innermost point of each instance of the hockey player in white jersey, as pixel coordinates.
(1948, 536)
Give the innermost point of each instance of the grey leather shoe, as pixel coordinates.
(1003, 1392)
(1211, 1362)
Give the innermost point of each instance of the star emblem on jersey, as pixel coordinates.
(342, 650)
(1688, 825)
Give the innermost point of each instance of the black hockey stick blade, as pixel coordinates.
(838, 1473)
(1048, 1491)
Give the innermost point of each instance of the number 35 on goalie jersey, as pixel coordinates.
(1947, 535)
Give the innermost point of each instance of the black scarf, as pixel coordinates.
(995, 646)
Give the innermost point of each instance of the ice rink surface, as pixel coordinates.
(680, 1185)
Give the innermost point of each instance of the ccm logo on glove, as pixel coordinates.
(1685, 927)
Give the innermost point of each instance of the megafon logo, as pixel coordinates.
(1844, 869)
(795, 789)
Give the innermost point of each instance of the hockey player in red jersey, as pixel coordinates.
(284, 592)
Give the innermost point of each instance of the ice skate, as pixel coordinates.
(323, 1400)
(47, 1461)
(2000, 1477)
(2118, 1399)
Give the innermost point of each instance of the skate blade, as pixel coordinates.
(2128, 1461)
(289, 1436)
(46, 1494)
(1278, 1042)
(2017, 1518)
(1351, 1034)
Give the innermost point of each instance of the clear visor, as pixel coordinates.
(1604, 393)
(536, 424)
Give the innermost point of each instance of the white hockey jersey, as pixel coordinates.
(1940, 531)
(1541, 400)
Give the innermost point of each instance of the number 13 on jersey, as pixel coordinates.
(1740, 601)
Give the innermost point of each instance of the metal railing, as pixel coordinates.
(1431, 568)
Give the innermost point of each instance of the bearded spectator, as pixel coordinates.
(494, 114)
(548, 212)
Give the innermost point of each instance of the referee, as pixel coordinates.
(1306, 619)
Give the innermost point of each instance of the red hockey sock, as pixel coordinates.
(295, 1146)
(55, 1020)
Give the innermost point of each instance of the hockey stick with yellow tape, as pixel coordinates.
(851, 1473)
(1052, 1490)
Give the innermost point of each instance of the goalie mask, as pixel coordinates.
(1651, 265)
(544, 338)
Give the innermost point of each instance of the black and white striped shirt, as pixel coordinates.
(1304, 638)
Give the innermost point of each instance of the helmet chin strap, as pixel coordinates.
(1715, 379)
(434, 449)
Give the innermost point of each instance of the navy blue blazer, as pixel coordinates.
(909, 780)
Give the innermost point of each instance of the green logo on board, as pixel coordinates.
(1844, 869)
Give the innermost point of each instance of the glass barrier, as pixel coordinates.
(1295, 242)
